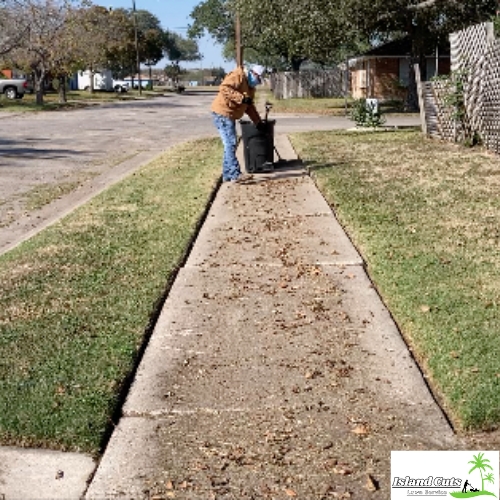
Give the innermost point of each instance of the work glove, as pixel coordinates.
(247, 100)
(261, 126)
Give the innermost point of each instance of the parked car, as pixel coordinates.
(121, 86)
(144, 84)
(13, 88)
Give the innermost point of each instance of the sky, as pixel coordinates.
(174, 16)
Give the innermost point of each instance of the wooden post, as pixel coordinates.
(239, 47)
(421, 98)
(137, 54)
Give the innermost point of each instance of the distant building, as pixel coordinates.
(384, 72)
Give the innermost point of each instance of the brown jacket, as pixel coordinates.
(231, 92)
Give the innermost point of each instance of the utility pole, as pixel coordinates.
(239, 46)
(138, 56)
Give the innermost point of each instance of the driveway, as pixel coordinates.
(79, 153)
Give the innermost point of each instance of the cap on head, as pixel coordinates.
(258, 69)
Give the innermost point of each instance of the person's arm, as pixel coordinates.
(231, 95)
(253, 114)
(230, 89)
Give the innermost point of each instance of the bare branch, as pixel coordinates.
(428, 4)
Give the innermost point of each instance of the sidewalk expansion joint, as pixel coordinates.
(176, 413)
(207, 267)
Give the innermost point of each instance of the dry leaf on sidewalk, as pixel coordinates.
(342, 470)
(371, 484)
(361, 430)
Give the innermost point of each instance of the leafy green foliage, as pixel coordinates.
(66, 36)
(455, 100)
(284, 33)
(178, 48)
(367, 113)
(278, 33)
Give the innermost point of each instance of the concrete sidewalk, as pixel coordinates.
(275, 371)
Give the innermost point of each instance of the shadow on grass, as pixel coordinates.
(312, 166)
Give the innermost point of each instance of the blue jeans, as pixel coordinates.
(227, 131)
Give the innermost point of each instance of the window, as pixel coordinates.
(404, 72)
(361, 78)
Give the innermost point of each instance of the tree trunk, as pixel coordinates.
(62, 89)
(411, 103)
(296, 62)
(417, 56)
(39, 78)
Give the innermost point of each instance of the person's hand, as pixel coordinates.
(261, 126)
(247, 100)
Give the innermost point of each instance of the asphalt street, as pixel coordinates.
(83, 151)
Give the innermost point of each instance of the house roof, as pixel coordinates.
(401, 48)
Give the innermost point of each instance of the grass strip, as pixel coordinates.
(44, 194)
(318, 106)
(328, 106)
(425, 216)
(77, 299)
(76, 99)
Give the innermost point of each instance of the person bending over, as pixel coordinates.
(234, 99)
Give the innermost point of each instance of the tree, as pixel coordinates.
(278, 33)
(104, 36)
(151, 39)
(291, 20)
(122, 57)
(426, 23)
(216, 17)
(58, 37)
(121, 53)
(489, 477)
(13, 28)
(480, 463)
(178, 49)
(43, 48)
(283, 33)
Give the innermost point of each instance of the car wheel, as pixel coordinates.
(10, 93)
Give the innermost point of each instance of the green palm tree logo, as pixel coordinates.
(489, 478)
(480, 464)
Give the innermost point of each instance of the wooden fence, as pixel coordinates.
(310, 83)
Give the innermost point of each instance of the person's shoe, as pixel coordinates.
(242, 178)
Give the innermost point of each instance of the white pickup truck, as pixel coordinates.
(13, 88)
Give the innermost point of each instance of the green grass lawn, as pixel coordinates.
(425, 216)
(320, 106)
(77, 299)
(76, 99)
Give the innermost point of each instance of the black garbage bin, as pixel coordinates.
(258, 146)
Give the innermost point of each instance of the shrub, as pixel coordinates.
(366, 114)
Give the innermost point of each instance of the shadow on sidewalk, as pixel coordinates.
(283, 169)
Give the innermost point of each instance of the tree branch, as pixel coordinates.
(426, 4)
